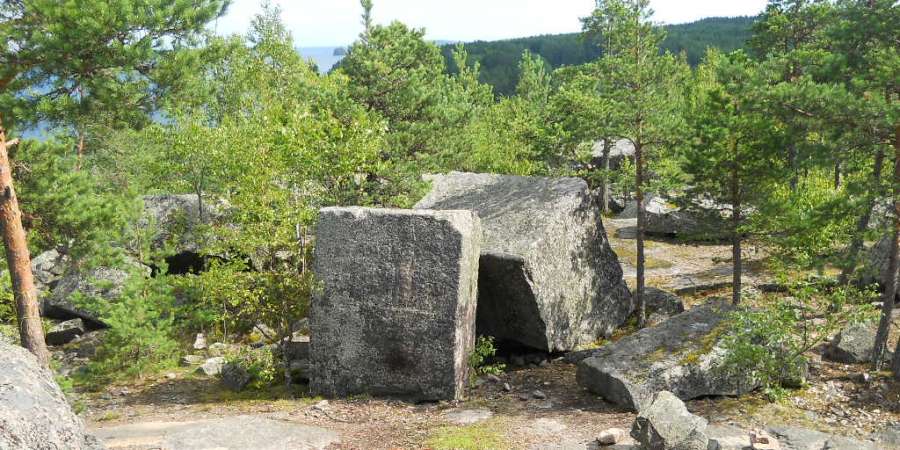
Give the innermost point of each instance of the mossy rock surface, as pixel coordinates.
(682, 355)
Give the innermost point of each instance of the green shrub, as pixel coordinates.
(770, 341)
(7, 301)
(262, 364)
(484, 351)
(141, 337)
(228, 299)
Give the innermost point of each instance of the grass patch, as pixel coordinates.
(629, 254)
(109, 416)
(471, 437)
(280, 393)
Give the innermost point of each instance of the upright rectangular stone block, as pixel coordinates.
(396, 313)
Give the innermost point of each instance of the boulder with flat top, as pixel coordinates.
(396, 312)
(548, 278)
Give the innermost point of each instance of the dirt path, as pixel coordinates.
(568, 417)
(173, 410)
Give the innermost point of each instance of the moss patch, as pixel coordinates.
(277, 394)
(109, 416)
(629, 254)
(474, 437)
(705, 345)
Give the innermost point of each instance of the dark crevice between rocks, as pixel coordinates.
(507, 309)
(67, 312)
(183, 263)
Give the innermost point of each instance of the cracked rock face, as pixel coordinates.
(396, 313)
(548, 278)
(682, 355)
(666, 424)
(47, 268)
(33, 411)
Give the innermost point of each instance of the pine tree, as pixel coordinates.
(647, 85)
(74, 53)
(732, 155)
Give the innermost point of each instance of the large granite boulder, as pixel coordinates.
(176, 220)
(681, 355)
(703, 221)
(65, 332)
(548, 277)
(661, 305)
(104, 283)
(396, 313)
(48, 267)
(33, 410)
(666, 424)
(619, 151)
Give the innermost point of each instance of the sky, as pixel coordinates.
(325, 23)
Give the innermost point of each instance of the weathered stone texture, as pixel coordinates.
(175, 218)
(548, 277)
(681, 355)
(666, 424)
(103, 283)
(396, 314)
(855, 344)
(33, 411)
(878, 263)
(47, 268)
(661, 305)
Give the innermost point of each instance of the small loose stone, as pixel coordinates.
(611, 436)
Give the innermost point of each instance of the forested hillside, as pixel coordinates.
(499, 59)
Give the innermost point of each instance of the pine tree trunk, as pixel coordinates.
(837, 175)
(890, 284)
(605, 196)
(19, 261)
(639, 193)
(792, 162)
(737, 268)
(863, 224)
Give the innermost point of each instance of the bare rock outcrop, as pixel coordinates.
(34, 414)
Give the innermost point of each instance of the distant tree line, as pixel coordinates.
(499, 60)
